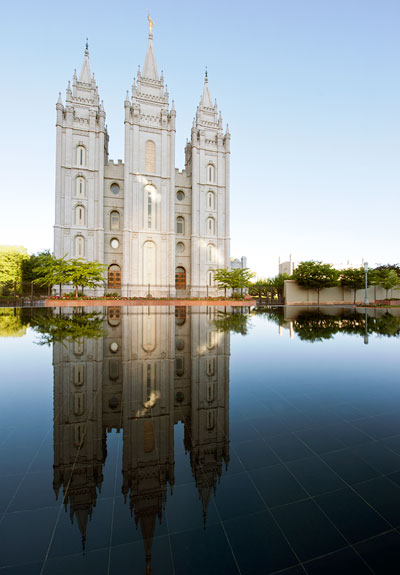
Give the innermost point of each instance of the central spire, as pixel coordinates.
(150, 66)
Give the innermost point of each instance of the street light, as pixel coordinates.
(366, 300)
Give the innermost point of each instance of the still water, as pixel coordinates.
(199, 441)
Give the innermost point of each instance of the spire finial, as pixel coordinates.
(206, 74)
(87, 44)
(151, 22)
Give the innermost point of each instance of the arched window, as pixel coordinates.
(80, 187)
(80, 216)
(210, 366)
(211, 253)
(180, 278)
(210, 392)
(180, 225)
(210, 278)
(210, 201)
(114, 220)
(211, 172)
(79, 405)
(180, 316)
(179, 366)
(149, 263)
(113, 369)
(149, 206)
(150, 157)
(81, 156)
(114, 316)
(211, 226)
(210, 339)
(79, 346)
(79, 434)
(79, 374)
(114, 276)
(79, 247)
(210, 419)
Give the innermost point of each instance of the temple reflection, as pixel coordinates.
(152, 368)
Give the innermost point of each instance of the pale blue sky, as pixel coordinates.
(310, 89)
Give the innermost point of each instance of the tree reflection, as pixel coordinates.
(12, 323)
(235, 321)
(315, 325)
(67, 327)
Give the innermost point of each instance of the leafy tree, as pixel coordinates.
(261, 288)
(85, 274)
(50, 270)
(279, 283)
(316, 275)
(241, 278)
(233, 279)
(31, 267)
(11, 261)
(223, 279)
(353, 278)
(381, 267)
(388, 279)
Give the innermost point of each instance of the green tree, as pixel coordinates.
(241, 278)
(388, 280)
(85, 274)
(353, 278)
(279, 283)
(52, 271)
(223, 279)
(316, 275)
(11, 261)
(31, 266)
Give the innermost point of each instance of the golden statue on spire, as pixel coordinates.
(151, 23)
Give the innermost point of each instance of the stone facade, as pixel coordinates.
(157, 229)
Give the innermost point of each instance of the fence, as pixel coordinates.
(29, 294)
(23, 294)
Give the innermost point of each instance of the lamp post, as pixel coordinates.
(366, 300)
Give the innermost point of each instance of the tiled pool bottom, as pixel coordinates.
(200, 452)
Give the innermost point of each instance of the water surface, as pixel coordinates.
(163, 440)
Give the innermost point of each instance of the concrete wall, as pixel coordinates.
(294, 294)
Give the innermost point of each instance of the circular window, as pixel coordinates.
(180, 247)
(114, 243)
(180, 196)
(179, 396)
(114, 347)
(115, 189)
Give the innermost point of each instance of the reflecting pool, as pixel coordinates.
(199, 441)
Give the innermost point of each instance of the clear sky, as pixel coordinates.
(310, 89)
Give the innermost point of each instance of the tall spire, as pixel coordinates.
(84, 76)
(150, 66)
(206, 97)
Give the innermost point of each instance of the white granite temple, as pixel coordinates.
(157, 229)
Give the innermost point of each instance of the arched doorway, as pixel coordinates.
(114, 277)
(180, 278)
